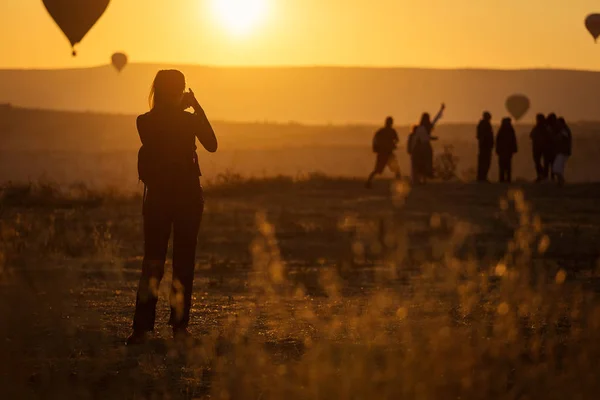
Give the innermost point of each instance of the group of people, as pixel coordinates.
(551, 142)
(419, 148)
(505, 144)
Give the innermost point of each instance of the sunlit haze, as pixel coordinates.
(433, 33)
(240, 16)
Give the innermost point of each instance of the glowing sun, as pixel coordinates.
(239, 17)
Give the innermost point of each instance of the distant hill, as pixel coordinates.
(312, 95)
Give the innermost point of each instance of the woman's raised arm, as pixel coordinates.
(438, 115)
(202, 127)
(204, 132)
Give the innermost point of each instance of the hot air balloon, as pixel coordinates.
(75, 17)
(592, 23)
(119, 61)
(517, 105)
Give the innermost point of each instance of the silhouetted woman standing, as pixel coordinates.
(549, 146)
(538, 143)
(420, 147)
(168, 166)
(506, 147)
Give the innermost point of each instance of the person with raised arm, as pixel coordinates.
(420, 146)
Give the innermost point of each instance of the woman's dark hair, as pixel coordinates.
(167, 88)
(506, 122)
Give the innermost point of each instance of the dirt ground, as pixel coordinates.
(310, 288)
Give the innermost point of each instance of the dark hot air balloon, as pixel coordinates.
(592, 23)
(75, 17)
(517, 105)
(119, 61)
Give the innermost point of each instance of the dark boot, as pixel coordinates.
(137, 338)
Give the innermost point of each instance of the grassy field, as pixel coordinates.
(310, 288)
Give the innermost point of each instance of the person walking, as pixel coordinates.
(385, 142)
(168, 166)
(485, 140)
(506, 147)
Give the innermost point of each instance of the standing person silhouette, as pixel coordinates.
(485, 139)
(420, 146)
(538, 139)
(385, 142)
(506, 147)
(563, 145)
(549, 145)
(168, 166)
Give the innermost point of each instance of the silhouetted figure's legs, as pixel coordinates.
(505, 168)
(186, 225)
(428, 162)
(369, 182)
(157, 230)
(539, 168)
(550, 162)
(380, 163)
(181, 211)
(483, 165)
(421, 164)
(559, 168)
(394, 166)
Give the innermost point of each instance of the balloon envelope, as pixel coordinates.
(119, 61)
(517, 105)
(75, 17)
(592, 23)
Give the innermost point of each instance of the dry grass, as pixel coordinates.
(310, 287)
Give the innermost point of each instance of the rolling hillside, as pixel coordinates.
(318, 95)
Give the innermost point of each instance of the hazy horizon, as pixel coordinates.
(159, 65)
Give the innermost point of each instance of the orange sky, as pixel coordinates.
(424, 33)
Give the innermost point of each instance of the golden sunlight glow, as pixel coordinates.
(239, 17)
